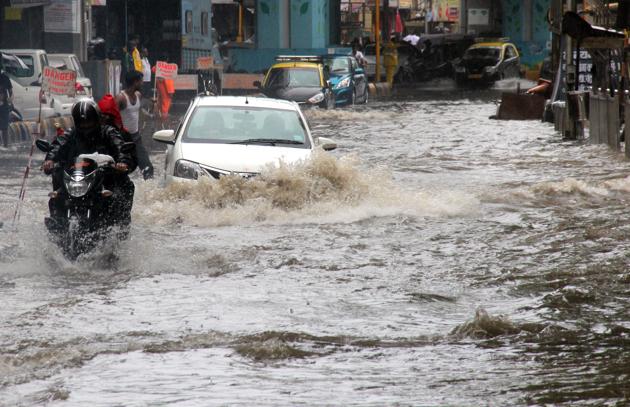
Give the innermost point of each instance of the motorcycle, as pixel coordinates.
(82, 209)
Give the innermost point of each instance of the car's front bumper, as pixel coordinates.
(343, 96)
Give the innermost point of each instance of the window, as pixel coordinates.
(510, 52)
(204, 23)
(188, 27)
(224, 124)
(294, 77)
(355, 65)
(337, 65)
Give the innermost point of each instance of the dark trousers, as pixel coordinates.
(144, 162)
(4, 125)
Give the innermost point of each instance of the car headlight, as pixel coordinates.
(460, 69)
(77, 187)
(344, 83)
(317, 98)
(188, 169)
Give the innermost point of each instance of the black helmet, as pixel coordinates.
(86, 116)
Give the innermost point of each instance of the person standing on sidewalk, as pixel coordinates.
(6, 96)
(146, 72)
(128, 102)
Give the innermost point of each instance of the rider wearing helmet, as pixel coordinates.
(90, 136)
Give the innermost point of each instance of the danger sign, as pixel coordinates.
(165, 70)
(59, 82)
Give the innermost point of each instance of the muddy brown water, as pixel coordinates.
(437, 258)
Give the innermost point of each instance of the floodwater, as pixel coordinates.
(437, 258)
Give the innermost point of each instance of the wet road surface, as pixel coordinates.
(437, 258)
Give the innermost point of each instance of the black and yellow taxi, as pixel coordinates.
(487, 62)
(301, 79)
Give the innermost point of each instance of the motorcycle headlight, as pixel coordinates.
(77, 187)
(343, 83)
(317, 98)
(188, 169)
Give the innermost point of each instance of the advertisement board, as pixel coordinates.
(446, 10)
(63, 16)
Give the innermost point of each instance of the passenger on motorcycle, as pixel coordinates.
(89, 136)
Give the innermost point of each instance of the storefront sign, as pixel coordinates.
(29, 3)
(59, 82)
(63, 16)
(446, 10)
(13, 14)
(478, 16)
(186, 82)
(205, 63)
(165, 70)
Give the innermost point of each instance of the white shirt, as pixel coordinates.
(146, 70)
(131, 114)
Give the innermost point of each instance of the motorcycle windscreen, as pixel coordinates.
(81, 166)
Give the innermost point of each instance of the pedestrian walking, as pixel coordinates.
(6, 99)
(129, 102)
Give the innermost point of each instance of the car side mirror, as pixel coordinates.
(165, 136)
(43, 145)
(326, 144)
(258, 84)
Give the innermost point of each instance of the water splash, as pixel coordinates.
(323, 189)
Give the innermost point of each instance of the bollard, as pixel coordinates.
(23, 132)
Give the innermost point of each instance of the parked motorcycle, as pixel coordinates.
(83, 210)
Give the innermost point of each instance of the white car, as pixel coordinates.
(30, 80)
(237, 135)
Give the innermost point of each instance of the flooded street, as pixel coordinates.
(436, 258)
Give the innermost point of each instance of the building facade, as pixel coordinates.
(289, 27)
(525, 23)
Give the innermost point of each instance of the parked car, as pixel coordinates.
(26, 99)
(71, 62)
(300, 79)
(348, 80)
(439, 55)
(406, 53)
(31, 79)
(488, 62)
(226, 135)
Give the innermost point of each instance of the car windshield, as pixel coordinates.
(58, 63)
(483, 53)
(338, 65)
(228, 125)
(293, 77)
(24, 73)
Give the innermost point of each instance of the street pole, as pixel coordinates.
(378, 41)
(571, 77)
(239, 37)
(126, 25)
